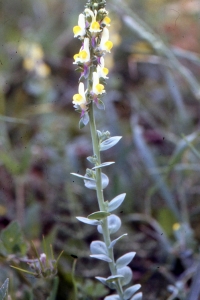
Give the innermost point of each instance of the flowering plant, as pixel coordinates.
(92, 30)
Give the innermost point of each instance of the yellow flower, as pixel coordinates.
(84, 54)
(36, 52)
(79, 30)
(29, 64)
(106, 21)
(176, 226)
(43, 70)
(94, 26)
(105, 44)
(97, 87)
(101, 70)
(80, 99)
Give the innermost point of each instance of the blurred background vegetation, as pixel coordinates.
(152, 100)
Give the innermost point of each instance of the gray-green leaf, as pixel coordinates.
(88, 221)
(83, 177)
(116, 202)
(4, 289)
(104, 165)
(137, 296)
(92, 184)
(98, 215)
(125, 260)
(102, 257)
(107, 144)
(116, 240)
(128, 293)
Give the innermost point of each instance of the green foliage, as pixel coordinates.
(12, 241)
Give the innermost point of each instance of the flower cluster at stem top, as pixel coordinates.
(92, 30)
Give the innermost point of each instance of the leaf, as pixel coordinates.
(114, 223)
(3, 250)
(125, 260)
(13, 240)
(92, 184)
(4, 289)
(104, 165)
(81, 124)
(128, 293)
(93, 290)
(116, 240)
(138, 296)
(116, 202)
(83, 177)
(102, 257)
(126, 273)
(103, 281)
(92, 159)
(98, 247)
(88, 221)
(107, 144)
(149, 160)
(98, 215)
(100, 104)
(114, 278)
(54, 289)
(84, 120)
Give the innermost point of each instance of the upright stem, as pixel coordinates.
(100, 197)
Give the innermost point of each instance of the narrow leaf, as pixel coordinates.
(107, 144)
(83, 177)
(87, 221)
(4, 289)
(22, 270)
(137, 296)
(116, 240)
(98, 215)
(102, 257)
(116, 202)
(104, 165)
(128, 293)
(125, 260)
(114, 278)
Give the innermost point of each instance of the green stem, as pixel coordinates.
(74, 280)
(100, 197)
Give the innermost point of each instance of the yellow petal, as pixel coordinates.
(76, 29)
(108, 45)
(83, 54)
(105, 71)
(100, 88)
(107, 20)
(95, 26)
